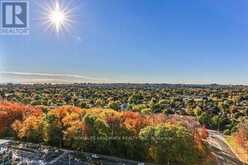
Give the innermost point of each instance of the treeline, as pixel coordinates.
(152, 138)
(217, 107)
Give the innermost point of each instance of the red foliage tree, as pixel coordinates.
(9, 112)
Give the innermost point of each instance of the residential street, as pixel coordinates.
(221, 149)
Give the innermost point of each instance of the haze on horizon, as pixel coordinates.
(131, 41)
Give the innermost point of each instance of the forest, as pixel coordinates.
(151, 123)
(152, 138)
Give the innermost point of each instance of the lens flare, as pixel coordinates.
(57, 16)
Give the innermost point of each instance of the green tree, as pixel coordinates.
(169, 144)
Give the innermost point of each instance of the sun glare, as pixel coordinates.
(57, 17)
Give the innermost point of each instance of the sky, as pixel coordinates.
(161, 41)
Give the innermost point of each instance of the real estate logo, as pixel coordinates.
(14, 17)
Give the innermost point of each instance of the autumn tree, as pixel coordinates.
(31, 129)
(9, 112)
(169, 144)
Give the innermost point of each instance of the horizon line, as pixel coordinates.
(67, 78)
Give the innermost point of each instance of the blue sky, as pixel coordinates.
(165, 41)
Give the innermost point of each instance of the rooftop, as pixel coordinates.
(3, 141)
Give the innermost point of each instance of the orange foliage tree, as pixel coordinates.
(241, 134)
(9, 112)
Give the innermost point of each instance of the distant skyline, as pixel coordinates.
(162, 41)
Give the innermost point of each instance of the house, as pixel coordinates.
(123, 107)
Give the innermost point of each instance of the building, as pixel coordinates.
(5, 153)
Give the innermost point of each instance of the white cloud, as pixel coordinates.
(28, 77)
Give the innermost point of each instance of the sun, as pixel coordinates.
(57, 16)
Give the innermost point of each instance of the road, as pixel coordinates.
(221, 150)
(59, 157)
